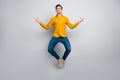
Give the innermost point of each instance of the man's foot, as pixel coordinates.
(61, 63)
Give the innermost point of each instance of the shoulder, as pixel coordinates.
(52, 18)
(65, 16)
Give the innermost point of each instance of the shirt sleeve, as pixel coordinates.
(48, 25)
(70, 25)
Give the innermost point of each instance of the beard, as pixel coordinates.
(59, 12)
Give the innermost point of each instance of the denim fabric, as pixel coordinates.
(64, 41)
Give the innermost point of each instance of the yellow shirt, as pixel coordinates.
(59, 24)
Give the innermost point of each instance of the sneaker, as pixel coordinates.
(61, 63)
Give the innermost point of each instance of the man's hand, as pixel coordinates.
(37, 20)
(81, 20)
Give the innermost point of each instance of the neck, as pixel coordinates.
(59, 14)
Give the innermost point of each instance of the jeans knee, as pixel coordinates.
(50, 50)
(68, 50)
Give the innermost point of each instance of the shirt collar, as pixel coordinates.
(57, 15)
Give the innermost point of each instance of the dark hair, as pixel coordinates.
(59, 6)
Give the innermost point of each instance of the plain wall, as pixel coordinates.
(95, 42)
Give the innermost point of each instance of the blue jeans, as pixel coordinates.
(53, 43)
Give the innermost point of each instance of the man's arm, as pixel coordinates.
(44, 25)
(72, 26)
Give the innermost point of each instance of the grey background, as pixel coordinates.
(95, 42)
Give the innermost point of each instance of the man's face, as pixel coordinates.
(59, 10)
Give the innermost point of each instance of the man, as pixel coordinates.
(59, 22)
